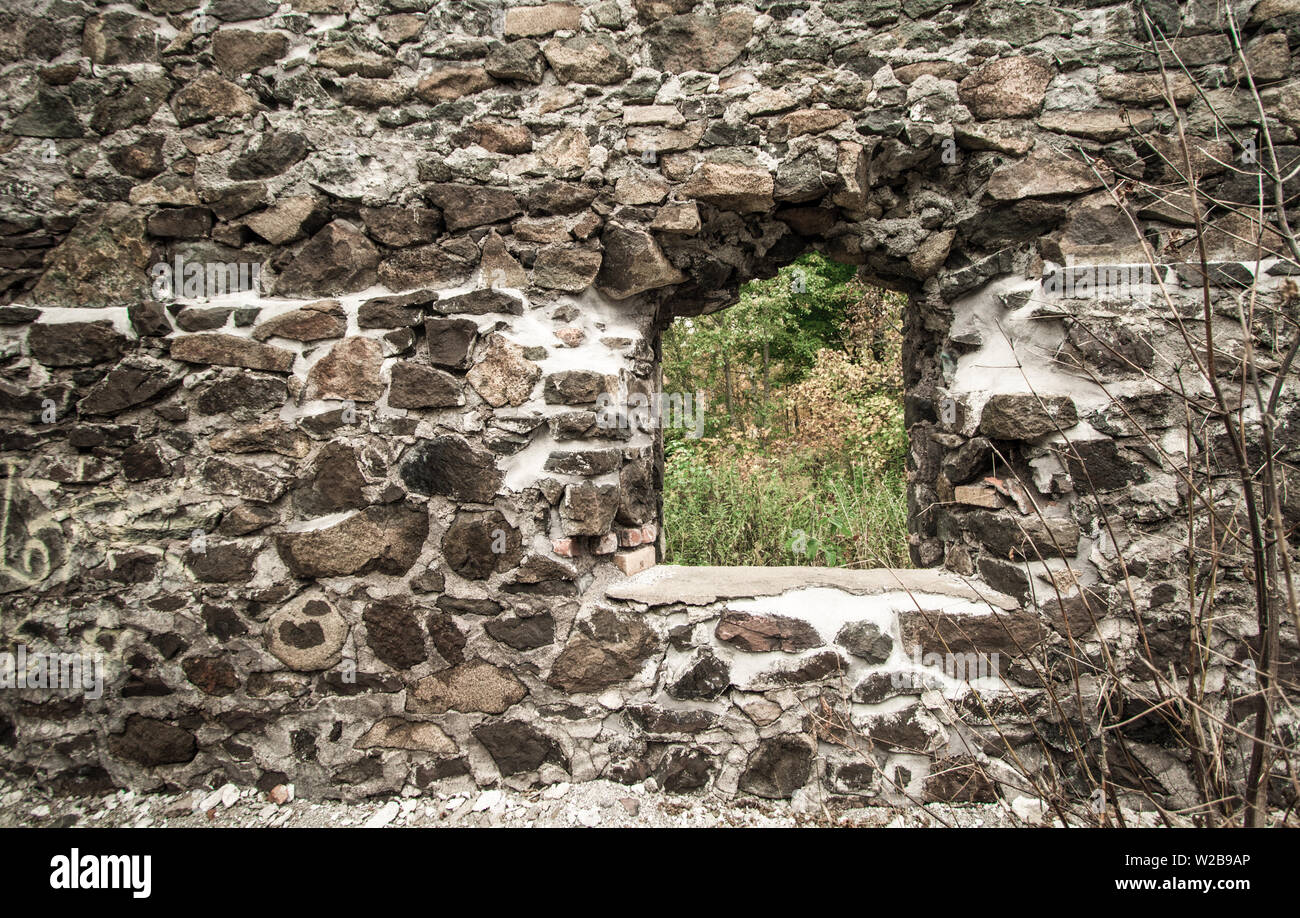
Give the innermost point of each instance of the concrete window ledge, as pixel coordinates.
(702, 586)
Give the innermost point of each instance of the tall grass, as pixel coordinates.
(782, 511)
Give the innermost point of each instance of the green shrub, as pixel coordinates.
(781, 511)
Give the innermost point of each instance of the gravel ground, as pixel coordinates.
(591, 804)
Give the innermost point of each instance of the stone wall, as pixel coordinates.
(814, 683)
(311, 308)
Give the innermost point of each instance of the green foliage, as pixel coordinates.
(783, 512)
(795, 314)
(807, 466)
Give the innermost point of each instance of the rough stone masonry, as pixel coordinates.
(309, 307)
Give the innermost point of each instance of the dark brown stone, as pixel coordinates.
(135, 103)
(1026, 417)
(104, 261)
(810, 669)
(313, 322)
(699, 42)
(899, 731)
(351, 370)
(762, 633)
(778, 767)
(574, 387)
(969, 459)
(393, 633)
(1009, 634)
(213, 675)
(588, 509)
(865, 640)
(240, 51)
(75, 344)
(386, 539)
(523, 632)
(244, 395)
(587, 462)
(144, 461)
(180, 223)
(222, 562)
(268, 155)
(450, 466)
(403, 311)
(402, 226)
(450, 341)
(516, 60)
(153, 742)
(662, 721)
(633, 263)
(338, 259)
(235, 200)
(476, 545)
(246, 519)
(959, 780)
(518, 747)
(707, 677)
(334, 483)
(638, 493)
(465, 206)
(607, 648)
(417, 386)
(464, 605)
(878, 687)
(1098, 465)
(231, 351)
(559, 198)
(118, 37)
(198, 318)
(482, 302)
(683, 770)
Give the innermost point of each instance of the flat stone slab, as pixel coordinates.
(702, 586)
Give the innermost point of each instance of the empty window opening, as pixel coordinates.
(791, 446)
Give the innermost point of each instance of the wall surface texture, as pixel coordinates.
(323, 320)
